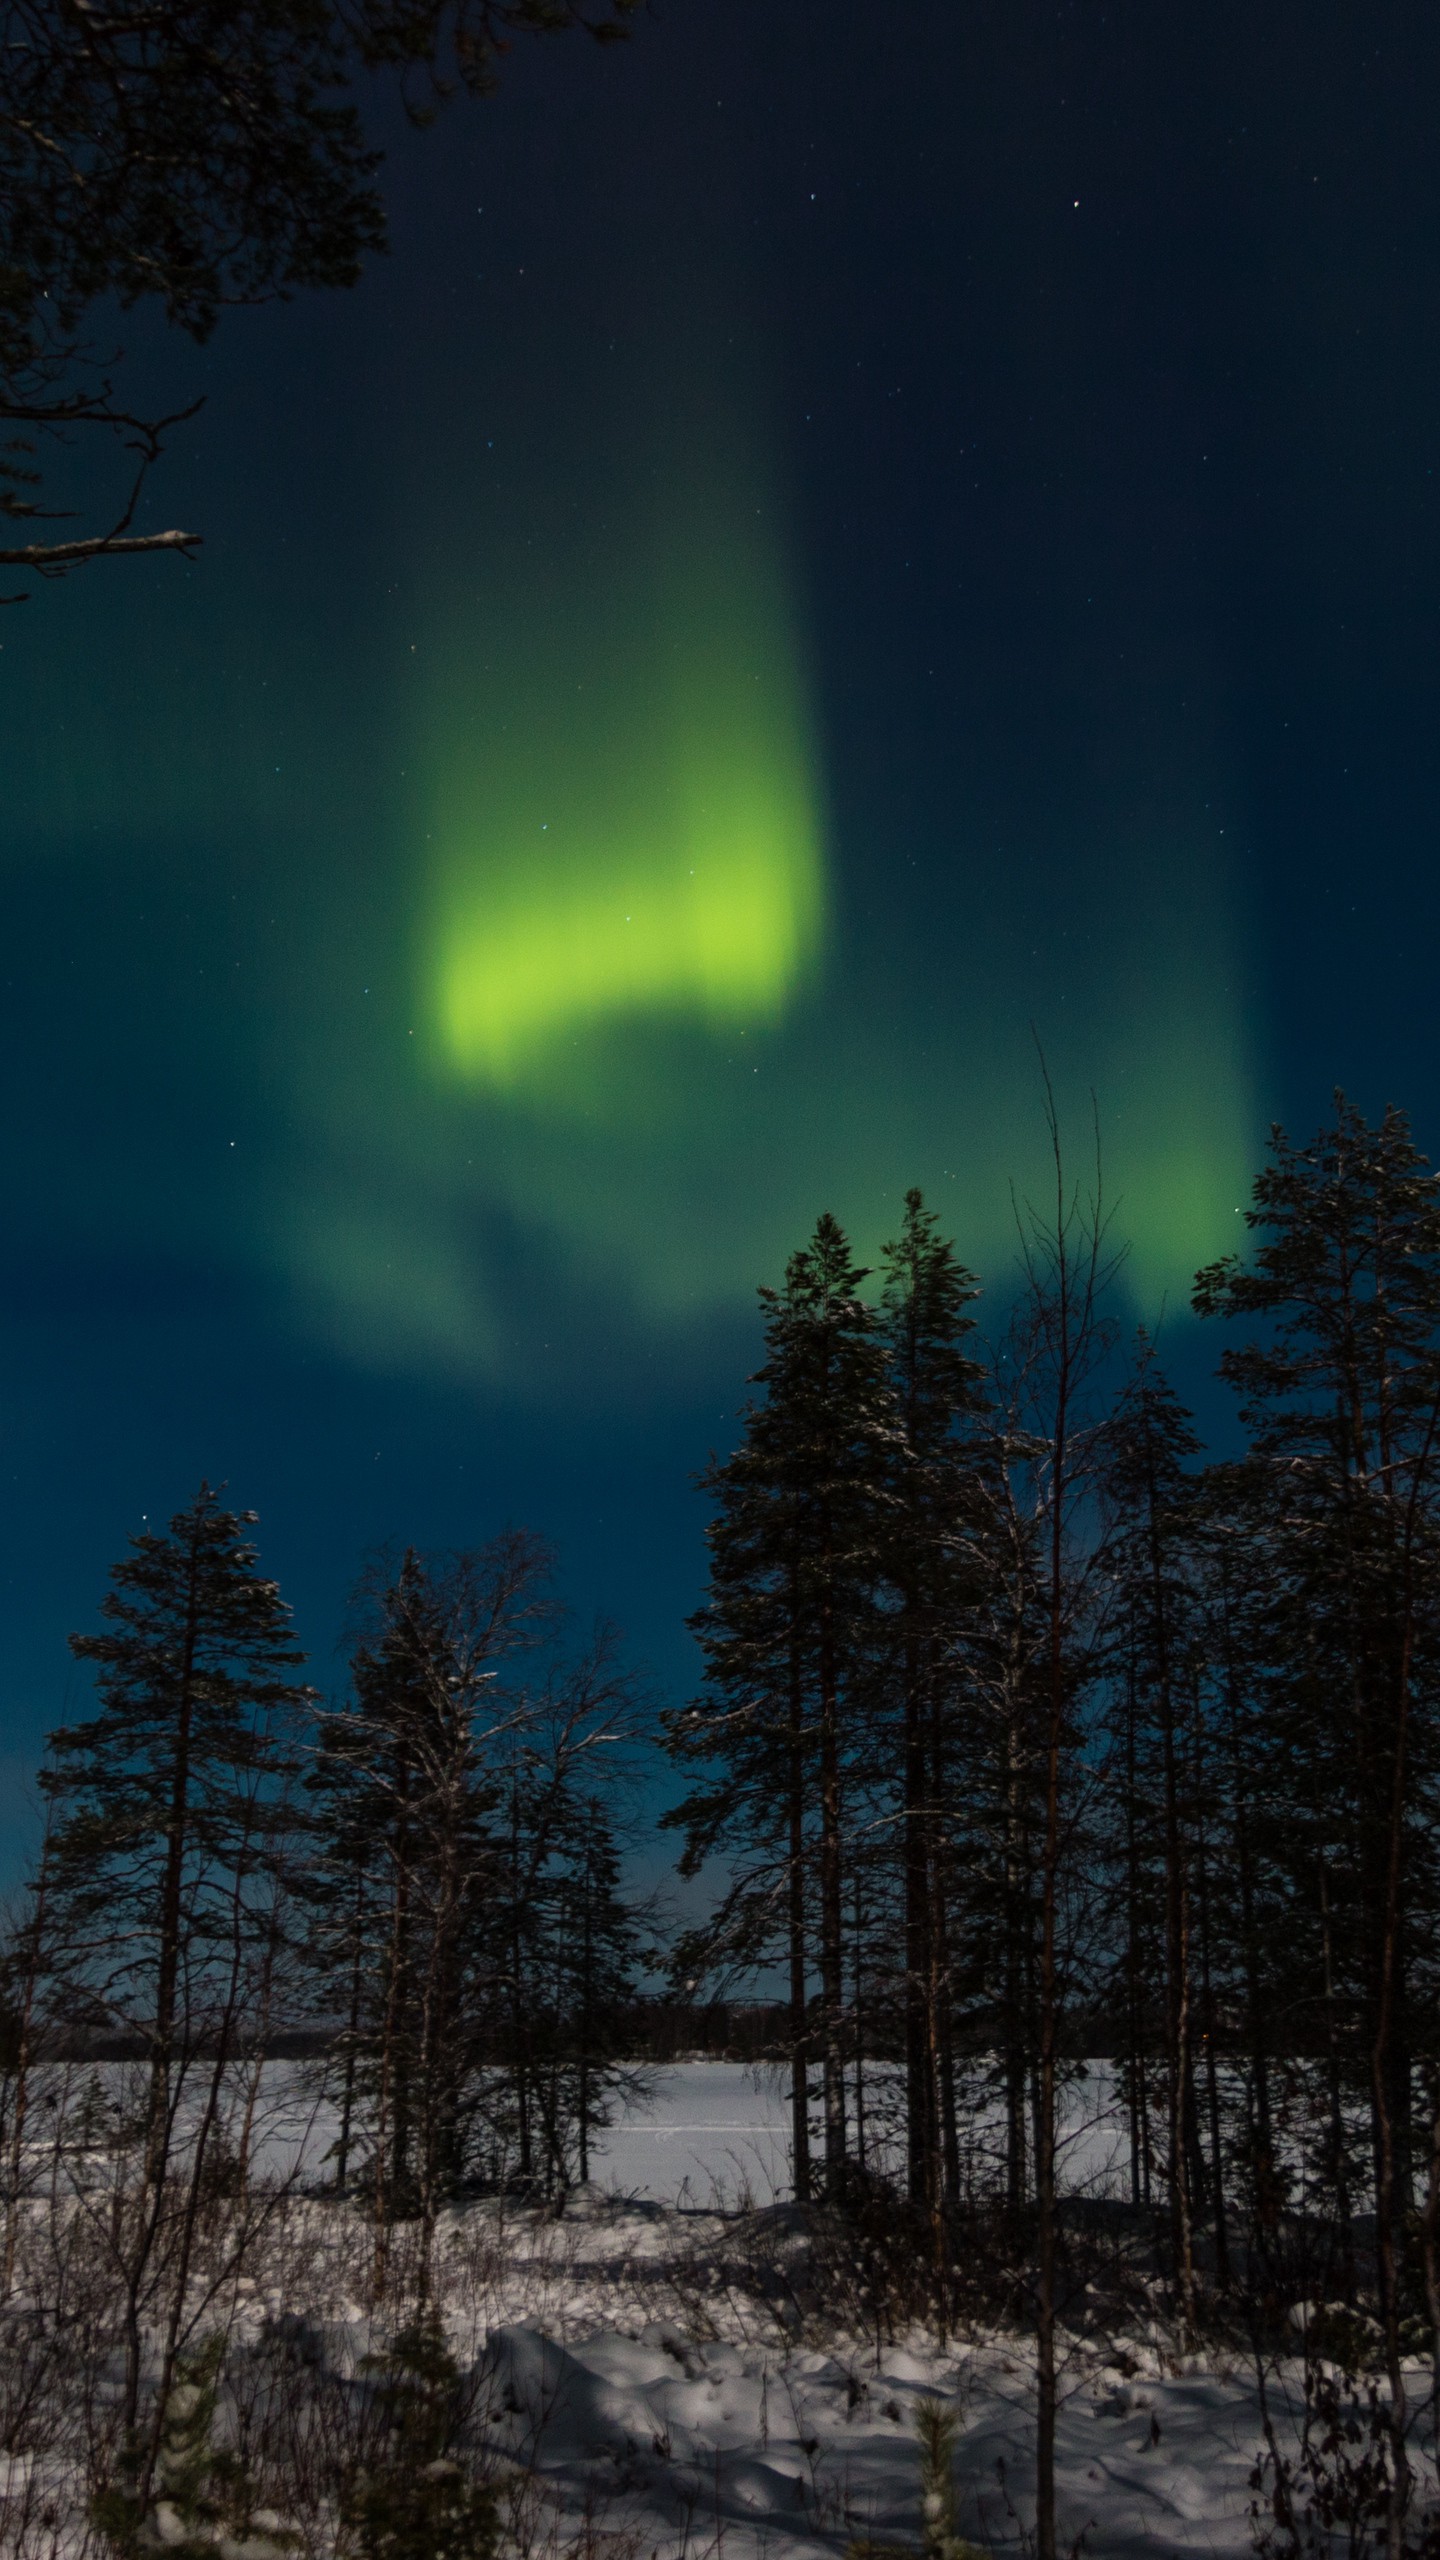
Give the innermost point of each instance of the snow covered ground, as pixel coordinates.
(702, 2434)
(718, 2447)
(705, 2436)
(731, 2446)
(659, 2404)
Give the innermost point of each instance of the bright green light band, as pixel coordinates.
(629, 826)
(632, 926)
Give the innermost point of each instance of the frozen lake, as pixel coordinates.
(709, 2126)
(719, 2131)
(717, 2134)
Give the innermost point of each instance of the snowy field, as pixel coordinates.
(730, 2446)
(704, 2435)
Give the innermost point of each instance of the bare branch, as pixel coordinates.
(52, 557)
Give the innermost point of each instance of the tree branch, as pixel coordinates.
(50, 557)
(143, 437)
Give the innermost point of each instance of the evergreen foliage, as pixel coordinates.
(407, 1795)
(171, 1809)
(416, 2498)
(201, 2500)
(931, 1579)
(937, 2433)
(786, 1633)
(1136, 1755)
(466, 1890)
(1150, 1492)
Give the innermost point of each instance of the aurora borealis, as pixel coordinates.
(822, 560)
(632, 827)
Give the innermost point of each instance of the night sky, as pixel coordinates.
(837, 536)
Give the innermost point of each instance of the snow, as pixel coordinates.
(731, 2445)
(722, 2130)
(710, 2128)
(642, 2392)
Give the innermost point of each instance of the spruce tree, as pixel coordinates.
(408, 1795)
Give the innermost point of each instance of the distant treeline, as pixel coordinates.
(654, 2030)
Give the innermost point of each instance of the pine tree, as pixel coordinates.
(995, 1812)
(1059, 1345)
(170, 1802)
(416, 2497)
(930, 1568)
(602, 1948)
(1150, 1490)
(567, 1937)
(1339, 1387)
(171, 1817)
(785, 1633)
(937, 2435)
(576, 1950)
(1250, 1803)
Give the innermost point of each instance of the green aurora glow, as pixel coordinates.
(642, 1032)
(630, 830)
(537, 1103)
(658, 1167)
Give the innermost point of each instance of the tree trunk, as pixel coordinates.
(587, 1960)
(799, 2083)
(1139, 2147)
(167, 1971)
(1339, 2147)
(1430, 2252)
(24, 2034)
(1019, 1960)
(1045, 2134)
(1254, 2009)
(1387, 2201)
(1050, 2011)
(921, 2164)
(347, 2091)
(832, 1942)
(1212, 2058)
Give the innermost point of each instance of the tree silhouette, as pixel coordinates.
(197, 155)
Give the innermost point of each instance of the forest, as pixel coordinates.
(1028, 1736)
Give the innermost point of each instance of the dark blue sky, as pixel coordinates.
(981, 459)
